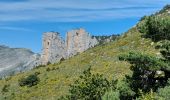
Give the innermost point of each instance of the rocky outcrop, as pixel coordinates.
(13, 60)
(106, 39)
(53, 48)
(78, 41)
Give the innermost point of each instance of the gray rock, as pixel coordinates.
(53, 48)
(13, 60)
(78, 41)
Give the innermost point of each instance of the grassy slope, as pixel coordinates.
(103, 59)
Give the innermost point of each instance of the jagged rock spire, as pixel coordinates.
(55, 48)
(78, 41)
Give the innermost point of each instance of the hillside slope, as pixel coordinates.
(55, 79)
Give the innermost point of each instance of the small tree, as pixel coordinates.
(155, 27)
(5, 88)
(90, 86)
(29, 81)
(147, 72)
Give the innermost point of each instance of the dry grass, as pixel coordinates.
(103, 59)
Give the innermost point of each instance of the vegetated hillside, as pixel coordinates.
(54, 79)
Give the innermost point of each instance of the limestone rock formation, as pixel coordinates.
(13, 60)
(53, 48)
(78, 41)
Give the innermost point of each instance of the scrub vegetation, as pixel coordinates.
(134, 66)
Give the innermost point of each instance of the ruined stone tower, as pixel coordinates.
(53, 48)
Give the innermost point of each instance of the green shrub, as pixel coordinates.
(165, 49)
(111, 95)
(48, 69)
(148, 96)
(145, 68)
(155, 27)
(5, 88)
(125, 91)
(29, 81)
(165, 9)
(142, 26)
(164, 93)
(90, 87)
(121, 92)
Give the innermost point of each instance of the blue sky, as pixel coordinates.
(22, 22)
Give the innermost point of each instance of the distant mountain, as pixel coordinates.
(13, 60)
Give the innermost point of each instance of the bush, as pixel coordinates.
(165, 9)
(90, 87)
(155, 27)
(48, 69)
(165, 49)
(148, 96)
(164, 93)
(111, 95)
(121, 92)
(125, 91)
(29, 81)
(5, 88)
(146, 71)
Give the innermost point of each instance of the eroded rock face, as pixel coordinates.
(14, 60)
(53, 48)
(78, 41)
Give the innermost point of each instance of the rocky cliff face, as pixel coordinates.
(53, 48)
(78, 41)
(13, 60)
